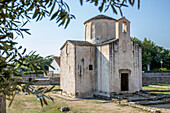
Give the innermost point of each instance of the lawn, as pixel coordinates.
(158, 87)
(163, 85)
(29, 104)
(154, 88)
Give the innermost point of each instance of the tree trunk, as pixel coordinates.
(2, 105)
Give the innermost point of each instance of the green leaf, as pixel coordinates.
(132, 2)
(67, 7)
(52, 8)
(120, 11)
(41, 102)
(81, 2)
(107, 7)
(96, 3)
(36, 13)
(43, 69)
(57, 90)
(24, 51)
(34, 81)
(25, 23)
(41, 88)
(20, 47)
(45, 102)
(100, 9)
(49, 89)
(68, 21)
(12, 99)
(138, 4)
(114, 10)
(54, 15)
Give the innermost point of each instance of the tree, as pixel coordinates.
(153, 54)
(27, 70)
(14, 15)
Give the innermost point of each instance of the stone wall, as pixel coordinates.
(50, 81)
(67, 74)
(155, 78)
(102, 71)
(84, 71)
(41, 79)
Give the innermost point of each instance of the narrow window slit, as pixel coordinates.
(90, 67)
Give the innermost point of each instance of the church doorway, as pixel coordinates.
(124, 82)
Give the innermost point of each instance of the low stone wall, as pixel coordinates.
(41, 79)
(155, 78)
(52, 81)
(147, 78)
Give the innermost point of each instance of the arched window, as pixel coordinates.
(124, 27)
(104, 30)
(93, 31)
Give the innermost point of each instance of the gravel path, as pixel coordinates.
(159, 86)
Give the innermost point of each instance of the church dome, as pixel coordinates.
(98, 17)
(100, 29)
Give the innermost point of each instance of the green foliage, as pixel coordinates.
(153, 55)
(163, 69)
(33, 72)
(104, 5)
(44, 62)
(9, 86)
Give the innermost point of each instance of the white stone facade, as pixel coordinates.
(106, 62)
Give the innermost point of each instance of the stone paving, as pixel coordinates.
(143, 98)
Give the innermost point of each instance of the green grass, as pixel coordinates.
(162, 92)
(29, 104)
(154, 88)
(157, 88)
(163, 85)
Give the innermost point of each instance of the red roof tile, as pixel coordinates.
(57, 59)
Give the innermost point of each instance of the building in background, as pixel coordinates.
(56, 64)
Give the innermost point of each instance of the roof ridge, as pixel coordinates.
(101, 16)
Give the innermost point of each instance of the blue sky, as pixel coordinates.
(152, 21)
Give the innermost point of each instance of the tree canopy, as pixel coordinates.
(153, 55)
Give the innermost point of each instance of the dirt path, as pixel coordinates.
(100, 106)
(159, 86)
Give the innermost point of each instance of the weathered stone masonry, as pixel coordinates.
(106, 62)
(155, 78)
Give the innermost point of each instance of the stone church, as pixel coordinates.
(106, 62)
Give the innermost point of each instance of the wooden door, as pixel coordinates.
(124, 82)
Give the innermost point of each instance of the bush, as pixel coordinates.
(158, 70)
(163, 69)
